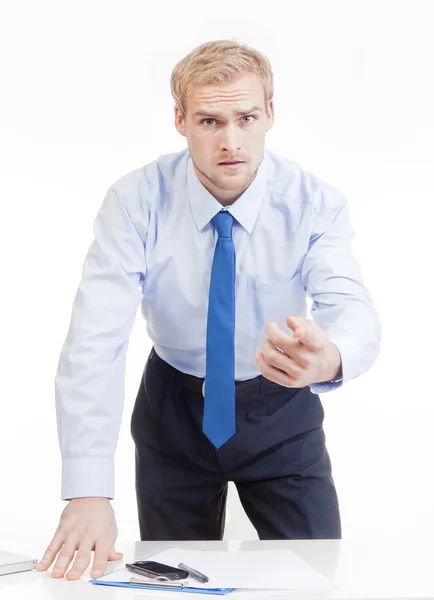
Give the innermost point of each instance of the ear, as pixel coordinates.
(270, 115)
(179, 121)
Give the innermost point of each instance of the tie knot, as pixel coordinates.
(223, 222)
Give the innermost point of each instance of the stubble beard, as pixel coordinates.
(230, 183)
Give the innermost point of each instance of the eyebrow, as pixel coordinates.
(238, 113)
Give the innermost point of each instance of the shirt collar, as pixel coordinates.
(245, 210)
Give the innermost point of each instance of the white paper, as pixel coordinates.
(256, 569)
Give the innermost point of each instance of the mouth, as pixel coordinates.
(231, 163)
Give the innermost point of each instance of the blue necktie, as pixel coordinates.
(219, 407)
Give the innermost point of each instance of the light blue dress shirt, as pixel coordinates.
(154, 245)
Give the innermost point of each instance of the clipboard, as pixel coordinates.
(124, 578)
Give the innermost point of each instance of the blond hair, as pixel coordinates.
(219, 61)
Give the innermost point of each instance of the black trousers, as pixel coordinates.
(277, 460)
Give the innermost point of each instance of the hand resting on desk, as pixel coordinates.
(86, 524)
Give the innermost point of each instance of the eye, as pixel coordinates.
(248, 117)
(205, 120)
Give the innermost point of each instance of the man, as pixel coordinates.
(220, 243)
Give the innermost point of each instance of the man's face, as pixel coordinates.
(226, 122)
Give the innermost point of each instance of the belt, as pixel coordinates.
(197, 384)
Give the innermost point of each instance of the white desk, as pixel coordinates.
(379, 570)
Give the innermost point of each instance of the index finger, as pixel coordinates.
(312, 337)
(280, 338)
(51, 552)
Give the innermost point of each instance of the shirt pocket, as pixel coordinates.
(273, 302)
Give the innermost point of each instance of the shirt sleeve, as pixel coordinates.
(341, 304)
(90, 377)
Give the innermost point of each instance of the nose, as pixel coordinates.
(229, 142)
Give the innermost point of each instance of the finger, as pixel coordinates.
(301, 357)
(296, 323)
(308, 333)
(50, 553)
(81, 562)
(280, 338)
(113, 555)
(275, 358)
(65, 557)
(100, 559)
(301, 327)
(272, 373)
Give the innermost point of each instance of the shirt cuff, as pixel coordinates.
(326, 386)
(87, 477)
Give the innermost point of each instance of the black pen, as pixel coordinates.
(195, 574)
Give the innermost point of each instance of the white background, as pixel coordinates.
(85, 99)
